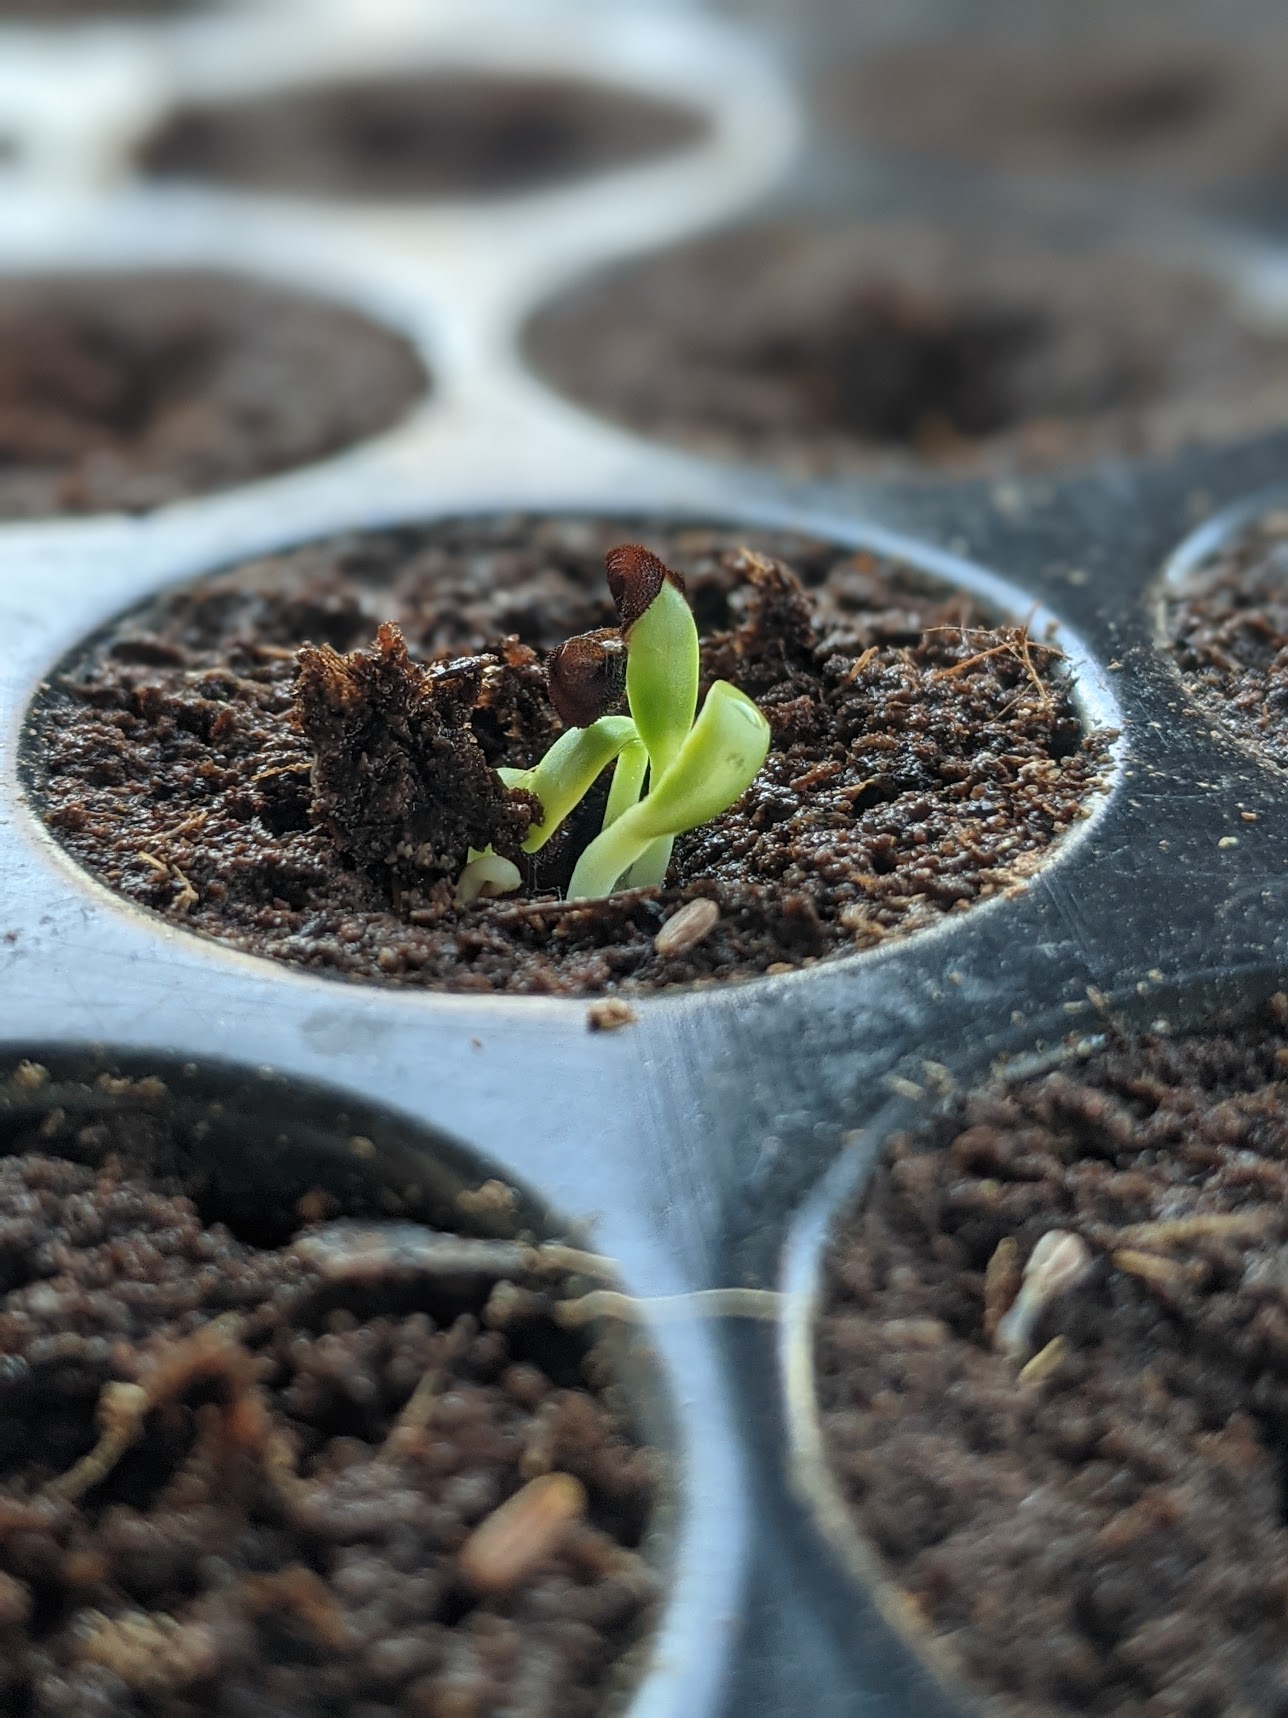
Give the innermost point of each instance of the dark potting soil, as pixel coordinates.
(1228, 628)
(1104, 1531)
(130, 391)
(922, 759)
(244, 1479)
(441, 134)
(1164, 110)
(897, 346)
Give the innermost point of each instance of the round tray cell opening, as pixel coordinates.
(900, 346)
(1226, 625)
(925, 754)
(274, 1366)
(1174, 113)
(128, 391)
(441, 134)
(1049, 1375)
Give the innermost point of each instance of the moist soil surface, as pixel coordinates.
(892, 347)
(1228, 629)
(444, 134)
(307, 1435)
(921, 760)
(1103, 1532)
(1171, 113)
(124, 392)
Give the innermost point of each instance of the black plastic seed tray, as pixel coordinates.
(707, 1142)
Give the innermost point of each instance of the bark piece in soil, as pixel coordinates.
(130, 391)
(1104, 1533)
(891, 346)
(1228, 630)
(303, 1459)
(440, 135)
(922, 758)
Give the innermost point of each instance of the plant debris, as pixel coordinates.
(922, 757)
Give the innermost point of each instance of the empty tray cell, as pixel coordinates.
(267, 1447)
(124, 391)
(1227, 626)
(442, 134)
(319, 809)
(1051, 1367)
(889, 347)
(1167, 112)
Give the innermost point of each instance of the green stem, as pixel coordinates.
(568, 771)
(718, 761)
(628, 781)
(662, 667)
(650, 869)
(613, 851)
(486, 873)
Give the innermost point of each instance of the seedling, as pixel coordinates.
(670, 772)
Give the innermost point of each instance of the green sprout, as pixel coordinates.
(569, 770)
(670, 772)
(714, 766)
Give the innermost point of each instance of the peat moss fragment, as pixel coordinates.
(399, 777)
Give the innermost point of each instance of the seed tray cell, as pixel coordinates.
(998, 753)
(328, 1283)
(684, 1142)
(924, 339)
(888, 1633)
